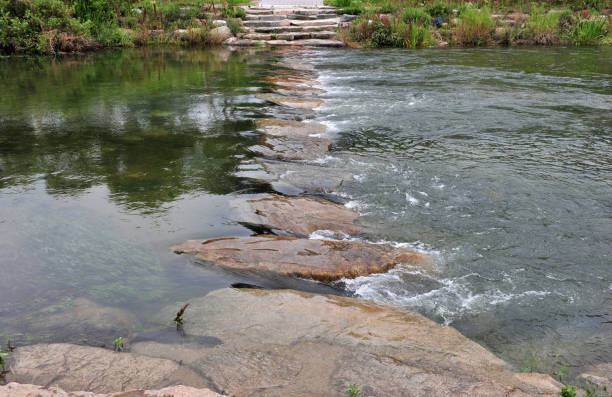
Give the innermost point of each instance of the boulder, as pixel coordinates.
(94, 369)
(24, 390)
(287, 343)
(322, 260)
(219, 35)
(292, 102)
(278, 127)
(299, 216)
(293, 148)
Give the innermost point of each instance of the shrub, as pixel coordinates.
(234, 25)
(588, 32)
(234, 12)
(389, 7)
(440, 9)
(540, 23)
(474, 27)
(416, 15)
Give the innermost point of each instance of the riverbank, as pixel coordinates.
(385, 23)
(57, 26)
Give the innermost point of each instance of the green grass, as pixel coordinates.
(588, 32)
(475, 26)
(416, 15)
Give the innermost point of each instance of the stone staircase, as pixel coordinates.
(289, 26)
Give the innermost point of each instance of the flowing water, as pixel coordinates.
(497, 162)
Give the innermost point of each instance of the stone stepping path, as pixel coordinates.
(299, 23)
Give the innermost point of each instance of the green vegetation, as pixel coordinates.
(412, 24)
(51, 26)
(118, 345)
(352, 390)
(568, 391)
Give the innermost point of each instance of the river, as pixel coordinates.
(497, 162)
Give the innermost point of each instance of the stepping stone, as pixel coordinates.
(298, 91)
(322, 260)
(297, 178)
(317, 22)
(293, 148)
(278, 127)
(289, 81)
(299, 216)
(292, 102)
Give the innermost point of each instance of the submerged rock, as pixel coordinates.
(299, 216)
(24, 390)
(322, 260)
(278, 127)
(287, 343)
(293, 148)
(292, 102)
(94, 369)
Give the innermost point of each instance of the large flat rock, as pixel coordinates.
(290, 81)
(291, 148)
(287, 343)
(278, 127)
(14, 389)
(299, 216)
(322, 260)
(292, 102)
(98, 370)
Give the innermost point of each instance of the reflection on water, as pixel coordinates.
(106, 161)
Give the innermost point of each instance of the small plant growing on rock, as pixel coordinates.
(568, 391)
(118, 344)
(353, 390)
(178, 320)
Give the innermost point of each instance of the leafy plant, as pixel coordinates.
(568, 391)
(118, 344)
(353, 390)
(561, 373)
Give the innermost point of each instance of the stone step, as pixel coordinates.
(269, 17)
(259, 12)
(319, 22)
(233, 41)
(289, 36)
(284, 29)
(258, 24)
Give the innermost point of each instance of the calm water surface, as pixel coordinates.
(497, 162)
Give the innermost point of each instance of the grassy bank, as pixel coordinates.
(415, 24)
(51, 26)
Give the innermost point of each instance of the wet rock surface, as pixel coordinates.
(322, 260)
(74, 367)
(292, 102)
(24, 390)
(277, 127)
(287, 343)
(297, 178)
(293, 148)
(300, 216)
